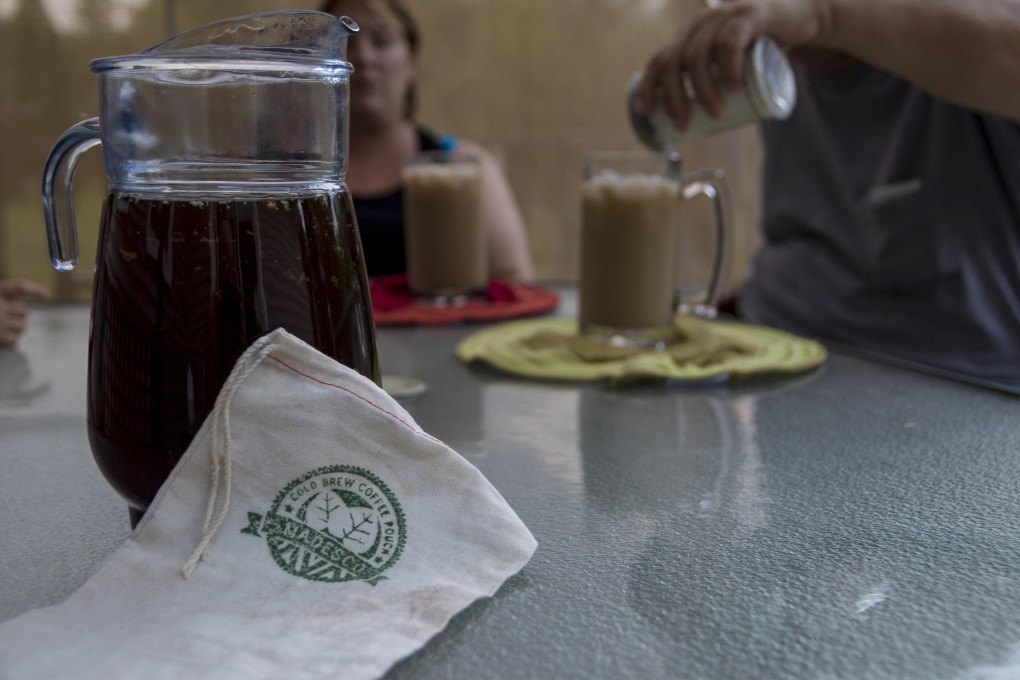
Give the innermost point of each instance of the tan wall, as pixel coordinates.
(539, 81)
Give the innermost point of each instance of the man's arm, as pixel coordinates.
(963, 51)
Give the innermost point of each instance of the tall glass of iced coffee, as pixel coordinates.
(629, 276)
(446, 244)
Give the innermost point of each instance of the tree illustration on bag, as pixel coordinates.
(347, 519)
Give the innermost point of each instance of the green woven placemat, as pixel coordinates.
(550, 348)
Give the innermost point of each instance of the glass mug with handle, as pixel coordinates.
(630, 237)
(226, 216)
(447, 257)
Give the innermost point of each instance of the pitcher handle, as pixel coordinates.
(710, 183)
(58, 202)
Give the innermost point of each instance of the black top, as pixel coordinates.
(381, 221)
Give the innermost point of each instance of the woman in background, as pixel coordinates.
(384, 135)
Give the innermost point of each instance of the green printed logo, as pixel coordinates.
(337, 523)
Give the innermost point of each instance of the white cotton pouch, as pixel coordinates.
(311, 530)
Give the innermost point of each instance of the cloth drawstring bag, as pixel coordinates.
(311, 530)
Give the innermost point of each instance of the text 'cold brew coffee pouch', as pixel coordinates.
(337, 536)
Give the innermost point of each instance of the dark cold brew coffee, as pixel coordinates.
(183, 287)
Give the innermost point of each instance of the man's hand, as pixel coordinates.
(709, 53)
(962, 51)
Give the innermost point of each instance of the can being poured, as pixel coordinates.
(769, 93)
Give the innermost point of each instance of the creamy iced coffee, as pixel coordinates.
(628, 266)
(446, 246)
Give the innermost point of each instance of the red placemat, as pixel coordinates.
(393, 304)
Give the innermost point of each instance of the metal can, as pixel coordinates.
(769, 92)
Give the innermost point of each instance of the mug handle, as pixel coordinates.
(58, 203)
(710, 183)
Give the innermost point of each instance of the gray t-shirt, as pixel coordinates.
(891, 222)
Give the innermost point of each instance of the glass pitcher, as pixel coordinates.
(226, 217)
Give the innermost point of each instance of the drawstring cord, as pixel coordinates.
(220, 454)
